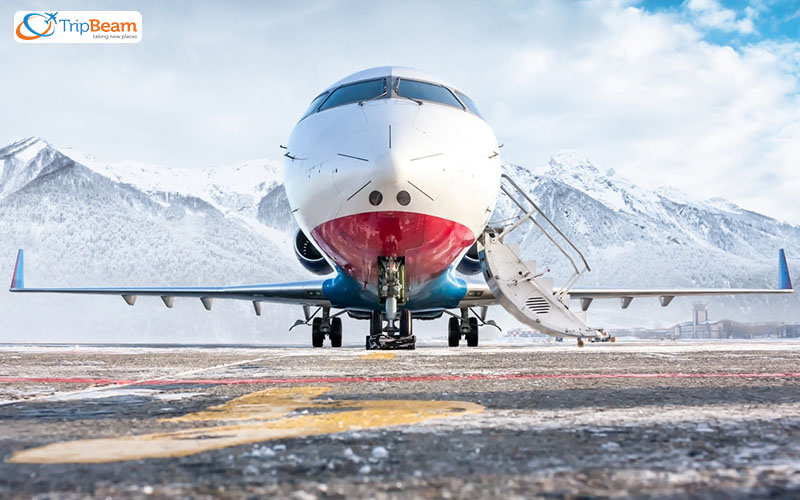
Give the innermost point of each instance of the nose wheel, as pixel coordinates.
(395, 335)
(397, 332)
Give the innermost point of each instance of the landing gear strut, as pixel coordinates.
(464, 326)
(391, 294)
(326, 326)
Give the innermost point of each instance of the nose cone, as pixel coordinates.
(391, 167)
(409, 179)
(394, 155)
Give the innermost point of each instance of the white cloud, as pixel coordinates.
(641, 92)
(647, 95)
(711, 14)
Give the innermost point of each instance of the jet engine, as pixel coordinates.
(309, 256)
(470, 264)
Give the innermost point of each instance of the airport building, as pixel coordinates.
(701, 328)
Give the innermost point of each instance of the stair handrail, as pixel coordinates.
(531, 215)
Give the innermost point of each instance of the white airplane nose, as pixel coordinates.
(391, 168)
(402, 159)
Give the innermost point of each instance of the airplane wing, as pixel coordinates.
(479, 294)
(310, 293)
(665, 296)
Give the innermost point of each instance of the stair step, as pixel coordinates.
(513, 282)
(531, 301)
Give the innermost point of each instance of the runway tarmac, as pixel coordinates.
(631, 419)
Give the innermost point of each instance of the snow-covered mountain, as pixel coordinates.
(633, 237)
(83, 221)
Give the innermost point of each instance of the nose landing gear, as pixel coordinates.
(391, 294)
(391, 337)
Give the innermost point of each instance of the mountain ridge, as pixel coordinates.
(232, 224)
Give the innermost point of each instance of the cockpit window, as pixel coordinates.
(313, 106)
(469, 103)
(355, 92)
(426, 92)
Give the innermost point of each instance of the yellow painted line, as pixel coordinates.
(261, 405)
(378, 355)
(264, 417)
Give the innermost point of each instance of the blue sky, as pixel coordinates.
(701, 95)
(735, 22)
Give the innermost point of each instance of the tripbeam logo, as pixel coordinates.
(78, 26)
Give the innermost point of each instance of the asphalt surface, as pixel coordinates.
(638, 419)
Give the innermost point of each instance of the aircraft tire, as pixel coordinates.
(405, 323)
(453, 332)
(336, 332)
(472, 336)
(317, 336)
(375, 323)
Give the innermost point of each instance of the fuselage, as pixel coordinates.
(392, 162)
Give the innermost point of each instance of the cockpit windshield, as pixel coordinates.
(391, 87)
(469, 103)
(313, 106)
(355, 92)
(426, 92)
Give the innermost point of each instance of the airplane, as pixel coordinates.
(51, 16)
(392, 175)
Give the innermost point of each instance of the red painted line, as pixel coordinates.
(410, 378)
(69, 380)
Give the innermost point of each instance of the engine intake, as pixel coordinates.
(470, 264)
(309, 256)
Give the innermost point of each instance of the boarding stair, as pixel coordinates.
(529, 297)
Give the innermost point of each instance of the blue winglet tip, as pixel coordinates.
(18, 279)
(785, 282)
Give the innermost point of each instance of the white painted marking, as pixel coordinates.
(87, 393)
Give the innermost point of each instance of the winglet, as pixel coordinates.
(18, 279)
(784, 281)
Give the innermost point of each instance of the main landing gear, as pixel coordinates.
(465, 327)
(326, 326)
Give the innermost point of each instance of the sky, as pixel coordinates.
(701, 95)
